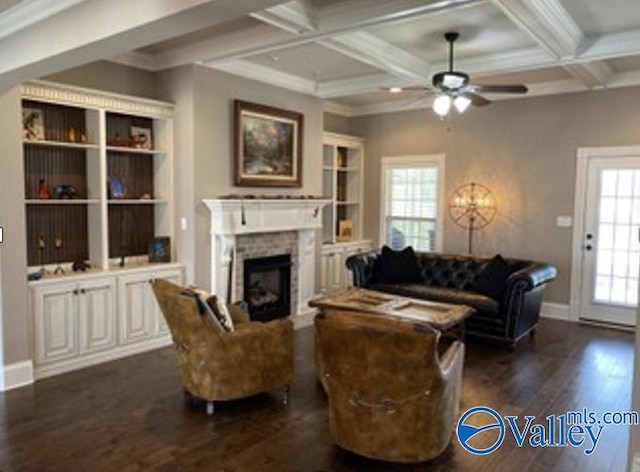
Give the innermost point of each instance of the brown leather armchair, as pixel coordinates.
(223, 365)
(390, 395)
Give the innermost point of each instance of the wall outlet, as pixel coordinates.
(183, 223)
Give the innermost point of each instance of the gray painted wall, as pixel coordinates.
(207, 165)
(524, 150)
(14, 346)
(337, 123)
(110, 77)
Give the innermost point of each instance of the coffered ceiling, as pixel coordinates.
(349, 51)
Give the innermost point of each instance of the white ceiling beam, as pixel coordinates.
(296, 17)
(268, 75)
(27, 13)
(592, 74)
(104, 29)
(345, 17)
(546, 22)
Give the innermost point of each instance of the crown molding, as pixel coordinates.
(76, 96)
(137, 59)
(337, 108)
(251, 70)
(28, 13)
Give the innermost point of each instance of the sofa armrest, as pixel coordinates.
(533, 275)
(361, 266)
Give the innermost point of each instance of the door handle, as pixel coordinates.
(588, 247)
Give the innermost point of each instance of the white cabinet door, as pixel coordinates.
(331, 270)
(97, 314)
(136, 309)
(55, 319)
(140, 315)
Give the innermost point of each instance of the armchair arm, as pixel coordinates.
(361, 265)
(451, 361)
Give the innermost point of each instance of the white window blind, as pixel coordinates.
(412, 201)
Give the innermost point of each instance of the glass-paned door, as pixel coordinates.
(611, 261)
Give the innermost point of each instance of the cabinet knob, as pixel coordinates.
(75, 292)
(83, 290)
(150, 281)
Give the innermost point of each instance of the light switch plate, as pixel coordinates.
(564, 221)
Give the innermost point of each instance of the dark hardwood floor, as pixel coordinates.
(131, 415)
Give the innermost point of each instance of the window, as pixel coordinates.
(411, 202)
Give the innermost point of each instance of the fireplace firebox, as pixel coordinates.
(267, 287)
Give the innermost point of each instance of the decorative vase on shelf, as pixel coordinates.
(43, 191)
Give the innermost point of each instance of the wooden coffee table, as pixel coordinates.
(441, 316)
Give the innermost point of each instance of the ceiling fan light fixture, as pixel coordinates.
(454, 80)
(395, 89)
(442, 105)
(461, 103)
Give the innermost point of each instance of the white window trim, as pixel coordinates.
(410, 161)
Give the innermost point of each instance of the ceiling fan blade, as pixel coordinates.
(499, 88)
(476, 100)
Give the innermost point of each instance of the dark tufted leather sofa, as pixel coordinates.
(452, 279)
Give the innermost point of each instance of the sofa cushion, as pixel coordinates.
(479, 302)
(397, 267)
(492, 281)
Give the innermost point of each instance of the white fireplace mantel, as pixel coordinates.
(230, 218)
(244, 216)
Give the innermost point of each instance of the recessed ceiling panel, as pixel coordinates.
(313, 61)
(483, 30)
(597, 17)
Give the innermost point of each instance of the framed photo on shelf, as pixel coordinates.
(141, 138)
(345, 230)
(267, 146)
(160, 249)
(32, 124)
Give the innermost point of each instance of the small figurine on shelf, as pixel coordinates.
(41, 247)
(43, 191)
(57, 241)
(72, 135)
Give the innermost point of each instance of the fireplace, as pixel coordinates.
(244, 229)
(267, 287)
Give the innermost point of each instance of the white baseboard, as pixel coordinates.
(555, 311)
(16, 375)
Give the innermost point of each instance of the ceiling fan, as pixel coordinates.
(454, 87)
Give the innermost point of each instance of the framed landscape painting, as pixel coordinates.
(267, 146)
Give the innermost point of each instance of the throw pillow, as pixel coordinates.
(208, 316)
(220, 311)
(493, 278)
(398, 267)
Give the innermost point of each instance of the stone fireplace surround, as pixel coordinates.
(247, 228)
